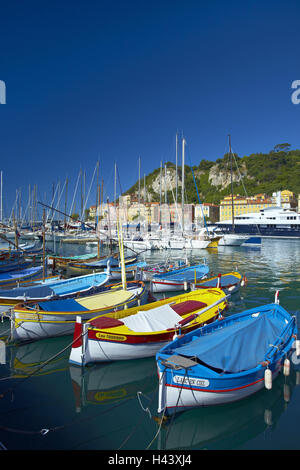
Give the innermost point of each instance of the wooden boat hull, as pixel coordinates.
(62, 262)
(130, 271)
(18, 277)
(84, 268)
(53, 287)
(178, 279)
(200, 375)
(100, 344)
(185, 393)
(29, 324)
(229, 282)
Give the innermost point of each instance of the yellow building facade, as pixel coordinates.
(243, 205)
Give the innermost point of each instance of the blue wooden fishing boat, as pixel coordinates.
(228, 282)
(13, 278)
(115, 273)
(97, 265)
(178, 279)
(14, 264)
(55, 289)
(227, 360)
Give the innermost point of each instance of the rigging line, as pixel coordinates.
(119, 180)
(162, 418)
(241, 179)
(198, 193)
(176, 205)
(173, 416)
(58, 198)
(88, 195)
(138, 424)
(75, 191)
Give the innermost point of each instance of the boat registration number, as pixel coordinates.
(195, 381)
(110, 337)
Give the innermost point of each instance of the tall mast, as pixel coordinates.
(166, 183)
(176, 157)
(1, 207)
(115, 187)
(160, 188)
(97, 196)
(232, 202)
(182, 187)
(139, 195)
(66, 200)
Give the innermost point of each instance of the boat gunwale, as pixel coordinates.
(21, 307)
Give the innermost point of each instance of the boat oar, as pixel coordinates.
(205, 309)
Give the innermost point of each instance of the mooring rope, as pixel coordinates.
(41, 366)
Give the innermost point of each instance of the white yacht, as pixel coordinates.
(275, 222)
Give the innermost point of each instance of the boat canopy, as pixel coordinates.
(58, 287)
(240, 345)
(156, 319)
(185, 274)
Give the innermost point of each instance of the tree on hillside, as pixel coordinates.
(282, 147)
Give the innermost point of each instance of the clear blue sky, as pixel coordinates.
(114, 80)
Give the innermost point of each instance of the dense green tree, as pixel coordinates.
(262, 173)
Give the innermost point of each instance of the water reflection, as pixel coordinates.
(229, 426)
(38, 358)
(105, 406)
(108, 383)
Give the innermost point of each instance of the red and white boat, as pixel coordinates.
(141, 331)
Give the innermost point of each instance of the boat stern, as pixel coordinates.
(78, 354)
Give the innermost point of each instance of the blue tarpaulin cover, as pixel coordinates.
(239, 346)
(66, 305)
(185, 274)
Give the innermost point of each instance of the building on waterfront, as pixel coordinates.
(130, 210)
(243, 205)
(211, 213)
(285, 199)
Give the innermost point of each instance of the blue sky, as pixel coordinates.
(114, 81)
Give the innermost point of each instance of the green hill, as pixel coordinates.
(257, 173)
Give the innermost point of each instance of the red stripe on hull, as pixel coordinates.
(134, 339)
(214, 391)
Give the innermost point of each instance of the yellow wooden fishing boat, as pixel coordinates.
(141, 331)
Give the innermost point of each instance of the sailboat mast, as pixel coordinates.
(166, 183)
(115, 187)
(176, 160)
(139, 195)
(182, 187)
(1, 208)
(232, 202)
(66, 202)
(160, 190)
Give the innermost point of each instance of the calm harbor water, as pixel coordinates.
(47, 404)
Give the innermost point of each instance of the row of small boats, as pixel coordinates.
(202, 357)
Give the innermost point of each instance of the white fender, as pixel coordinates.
(286, 367)
(268, 379)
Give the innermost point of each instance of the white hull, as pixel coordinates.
(166, 286)
(199, 244)
(232, 240)
(35, 326)
(104, 351)
(175, 399)
(117, 275)
(139, 245)
(177, 244)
